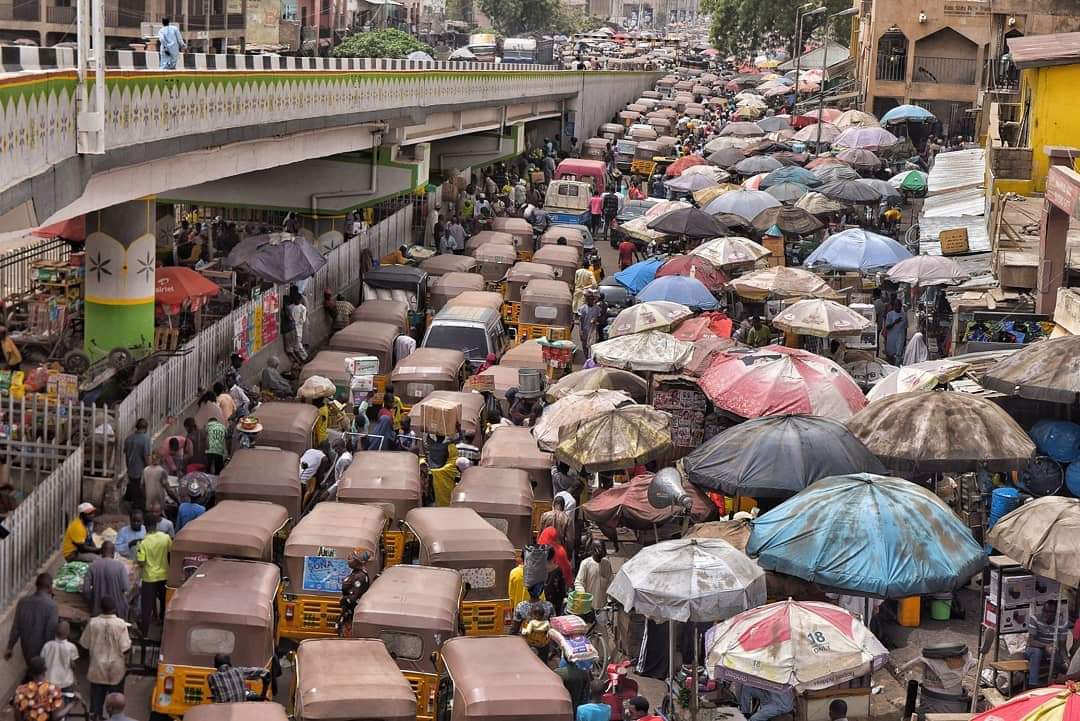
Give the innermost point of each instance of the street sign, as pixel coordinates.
(953, 241)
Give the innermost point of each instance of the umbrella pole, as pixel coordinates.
(1054, 649)
(695, 698)
(671, 663)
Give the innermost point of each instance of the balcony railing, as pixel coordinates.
(57, 14)
(217, 21)
(27, 11)
(951, 71)
(891, 66)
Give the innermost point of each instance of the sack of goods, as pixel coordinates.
(535, 562)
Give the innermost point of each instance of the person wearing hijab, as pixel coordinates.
(916, 350)
(381, 436)
(489, 361)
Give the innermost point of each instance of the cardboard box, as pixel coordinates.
(1012, 619)
(362, 365)
(439, 417)
(776, 247)
(1021, 589)
(953, 241)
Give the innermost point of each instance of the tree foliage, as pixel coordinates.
(743, 27)
(388, 43)
(516, 17)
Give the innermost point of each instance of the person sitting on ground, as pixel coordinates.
(400, 256)
(770, 704)
(227, 682)
(272, 381)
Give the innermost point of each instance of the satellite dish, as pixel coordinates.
(666, 490)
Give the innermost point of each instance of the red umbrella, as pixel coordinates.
(776, 380)
(174, 285)
(1054, 703)
(801, 121)
(706, 350)
(707, 325)
(694, 266)
(675, 169)
(70, 229)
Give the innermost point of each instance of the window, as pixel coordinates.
(500, 523)
(473, 342)
(210, 641)
(418, 390)
(407, 646)
(546, 312)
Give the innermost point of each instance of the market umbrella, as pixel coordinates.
(913, 181)
(917, 377)
(277, 257)
(857, 249)
(704, 196)
(783, 282)
(70, 229)
(776, 380)
(574, 408)
(788, 157)
(869, 371)
(817, 204)
(924, 270)
(942, 431)
(856, 533)
(824, 161)
(688, 291)
(907, 114)
(731, 250)
(834, 173)
(637, 229)
(735, 531)
(860, 158)
(746, 203)
(649, 351)
(787, 192)
(791, 174)
(690, 183)
(1042, 371)
(691, 222)
(856, 119)
(694, 266)
(1041, 536)
(664, 207)
(654, 315)
(708, 171)
(726, 157)
(639, 275)
(757, 164)
(790, 220)
(887, 192)
(774, 123)
(821, 318)
(696, 580)
(676, 168)
(173, 285)
(627, 506)
(789, 453)
(793, 646)
(616, 439)
(599, 378)
(866, 138)
(809, 134)
(829, 115)
(741, 130)
(728, 141)
(753, 182)
(849, 191)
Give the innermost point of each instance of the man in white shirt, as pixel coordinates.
(403, 347)
(310, 463)
(594, 576)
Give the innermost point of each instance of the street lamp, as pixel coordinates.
(801, 14)
(825, 70)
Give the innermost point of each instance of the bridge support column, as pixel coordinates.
(120, 260)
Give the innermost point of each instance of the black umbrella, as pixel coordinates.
(278, 257)
(757, 164)
(726, 157)
(849, 191)
(774, 123)
(778, 456)
(690, 222)
(789, 220)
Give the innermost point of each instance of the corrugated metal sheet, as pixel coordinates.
(957, 169)
(1039, 50)
(956, 200)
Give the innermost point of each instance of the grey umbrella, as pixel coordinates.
(829, 173)
(787, 192)
(849, 191)
(881, 186)
(688, 183)
(773, 123)
(277, 258)
(1043, 371)
(757, 164)
(726, 157)
(744, 203)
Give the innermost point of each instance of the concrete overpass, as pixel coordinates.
(226, 116)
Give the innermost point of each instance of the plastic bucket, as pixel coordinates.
(530, 383)
(941, 607)
(1002, 500)
(579, 603)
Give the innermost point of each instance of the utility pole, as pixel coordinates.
(800, 15)
(90, 120)
(825, 71)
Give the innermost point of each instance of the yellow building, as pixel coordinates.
(1046, 116)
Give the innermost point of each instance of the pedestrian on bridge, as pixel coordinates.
(170, 43)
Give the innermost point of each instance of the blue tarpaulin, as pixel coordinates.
(639, 275)
(867, 535)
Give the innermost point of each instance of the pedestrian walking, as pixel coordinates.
(107, 577)
(170, 44)
(153, 558)
(60, 655)
(136, 457)
(107, 639)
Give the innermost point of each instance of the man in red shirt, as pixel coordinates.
(637, 709)
(626, 253)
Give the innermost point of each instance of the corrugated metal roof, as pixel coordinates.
(813, 59)
(1042, 50)
(956, 200)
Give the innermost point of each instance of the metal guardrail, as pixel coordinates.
(891, 66)
(16, 273)
(950, 71)
(36, 524)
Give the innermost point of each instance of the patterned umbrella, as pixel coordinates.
(699, 580)
(652, 350)
(776, 380)
(800, 645)
(732, 250)
(821, 318)
(574, 408)
(694, 266)
(789, 220)
(783, 282)
(854, 533)
(616, 439)
(653, 315)
(856, 119)
(598, 378)
(917, 377)
(746, 203)
(943, 432)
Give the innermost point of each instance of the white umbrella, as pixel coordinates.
(924, 270)
(821, 318)
(574, 408)
(649, 351)
(730, 250)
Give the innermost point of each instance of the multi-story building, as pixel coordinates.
(134, 22)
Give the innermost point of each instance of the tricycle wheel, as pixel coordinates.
(76, 362)
(120, 358)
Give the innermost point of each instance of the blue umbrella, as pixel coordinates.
(679, 289)
(907, 113)
(857, 249)
(790, 174)
(639, 275)
(868, 535)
